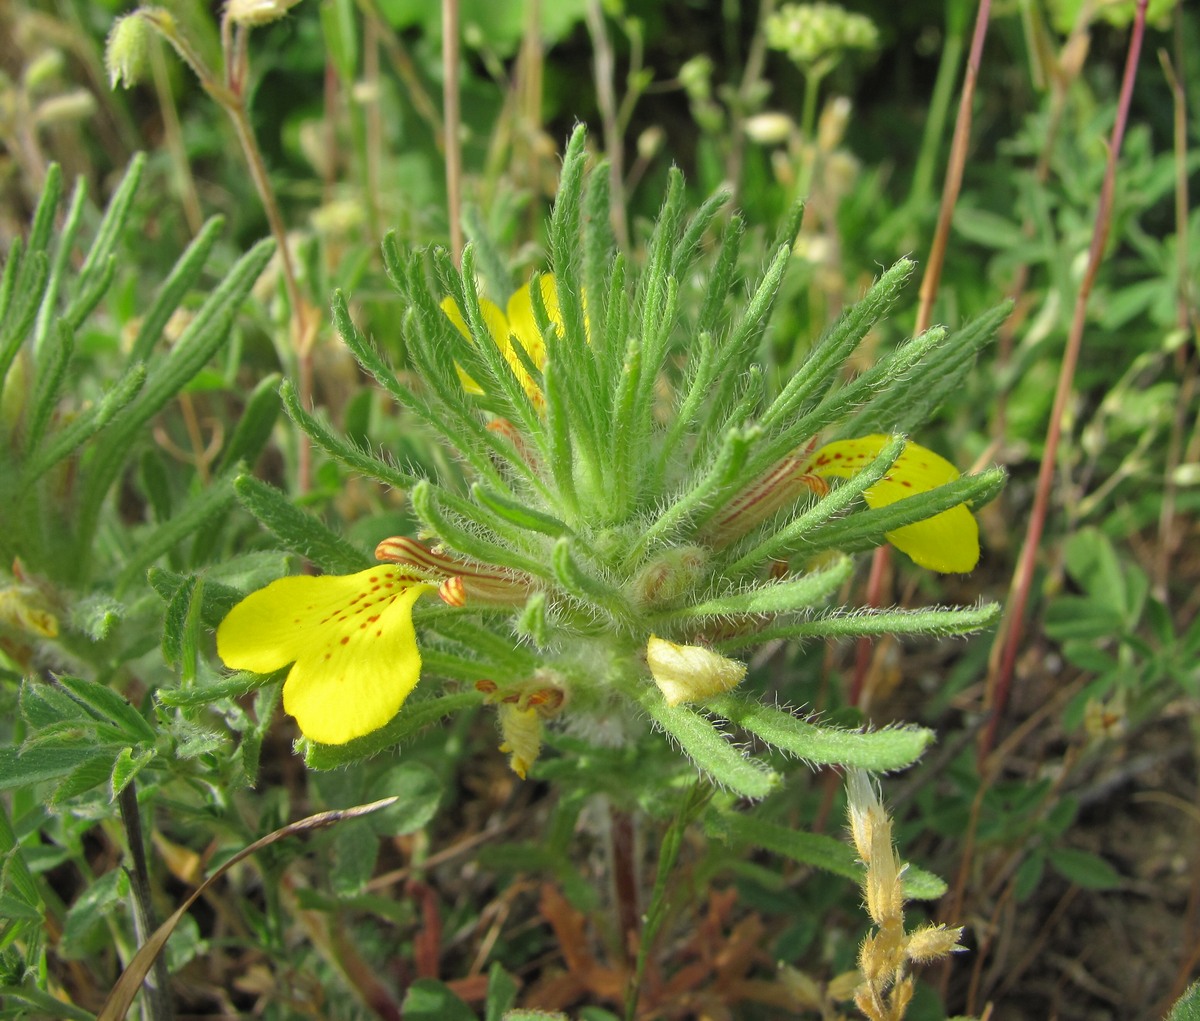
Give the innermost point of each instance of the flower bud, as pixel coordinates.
(253, 13)
(521, 730)
(125, 52)
(771, 128)
(690, 673)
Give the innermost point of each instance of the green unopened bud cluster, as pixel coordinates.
(811, 34)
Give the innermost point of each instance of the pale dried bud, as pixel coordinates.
(831, 128)
(253, 13)
(841, 987)
(770, 128)
(650, 142)
(126, 52)
(690, 673)
(69, 108)
(932, 943)
(43, 71)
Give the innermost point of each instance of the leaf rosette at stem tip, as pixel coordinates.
(636, 497)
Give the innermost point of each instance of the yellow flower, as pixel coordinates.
(349, 638)
(947, 542)
(519, 324)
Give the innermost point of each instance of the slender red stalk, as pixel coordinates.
(1000, 679)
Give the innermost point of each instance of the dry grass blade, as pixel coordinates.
(121, 997)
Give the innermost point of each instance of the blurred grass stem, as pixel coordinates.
(1186, 318)
(173, 136)
(614, 137)
(453, 131)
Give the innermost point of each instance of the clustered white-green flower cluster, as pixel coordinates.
(812, 33)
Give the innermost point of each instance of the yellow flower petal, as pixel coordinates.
(350, 639)
(522, 323)
(947, 542)
(497, 325)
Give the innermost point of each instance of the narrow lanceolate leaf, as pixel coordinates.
(808, 590)
(414, 718)
(935, 622)
(254, 425)
(820, 371)
(167, 376)
(110, 706)
(174, 289)
(865, 530)
(517, 513)
(233, 686)
(878, 751)
(345, 453)
(815, 849)
(299, 532)
(82, 428)
(52, 374)
(713, 754)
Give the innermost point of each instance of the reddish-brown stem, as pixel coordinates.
(954, 172)
(1000, 678)
(876, 587)
(453, 119)
(624, 875)
(1184, 315)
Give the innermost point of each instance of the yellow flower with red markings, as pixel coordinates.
(947, 542)
(518, 324)
(350, 640)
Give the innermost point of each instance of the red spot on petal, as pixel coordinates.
(905, 482)
(837, 456)
(329, 655)
(345, 639)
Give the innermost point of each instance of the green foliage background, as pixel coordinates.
(145, 327)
